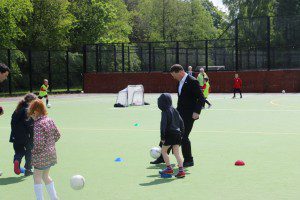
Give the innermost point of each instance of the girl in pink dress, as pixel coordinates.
(44, 156)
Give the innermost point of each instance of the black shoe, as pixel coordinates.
(28, 172)
(157, 161)
(188, 164)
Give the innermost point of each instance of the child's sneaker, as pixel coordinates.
(167, 171)
(180, 174)
(17, 167)
(28, 172)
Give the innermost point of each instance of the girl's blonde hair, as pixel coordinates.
(37, 106)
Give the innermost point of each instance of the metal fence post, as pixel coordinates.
(206, 55)
(84, 59)
(268, 44)
(165, 52)
(100, 57)
(30, 69)
(67, 68)
(84, 68)
(197, 57)
(187, 57)
(49, 71)
(236, 44)
(123, 57)
(115, 58)
(141, 57)
(153, 57)
(128, 55)
(177, 52)
(9, 66)
(97, 58)
(150, 56)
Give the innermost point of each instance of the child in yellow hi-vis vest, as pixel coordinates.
(44, 92)
(206, 90)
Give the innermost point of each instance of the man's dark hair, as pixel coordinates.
(3, 68)
(176, 68)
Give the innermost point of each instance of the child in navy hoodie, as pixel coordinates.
(171, 129)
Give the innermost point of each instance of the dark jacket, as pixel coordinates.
(171, 122)
(191, 98)
(21, 127)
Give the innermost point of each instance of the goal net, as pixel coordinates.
(133, 95)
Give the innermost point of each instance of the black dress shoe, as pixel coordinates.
(188, 164)
(157, 161)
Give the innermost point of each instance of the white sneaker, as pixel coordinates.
(209, 106)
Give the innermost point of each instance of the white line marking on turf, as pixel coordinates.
(211, 109)
(273, 102)
(196, 131)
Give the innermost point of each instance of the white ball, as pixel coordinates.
(155, 152)
(48, 105)
(283, 91)
(82, 91)
(1, 173)
(77, 182)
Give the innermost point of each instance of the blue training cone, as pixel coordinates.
(119, 160)
(22, 170)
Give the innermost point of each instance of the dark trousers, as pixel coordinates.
(22, 150)
(47, 101)
(206, 102)
(186, 143)
(235, 90)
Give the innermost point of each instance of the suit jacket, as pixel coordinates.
(191, 98)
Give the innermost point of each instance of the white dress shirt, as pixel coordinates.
(181, 83)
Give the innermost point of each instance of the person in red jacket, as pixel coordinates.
(237, 86)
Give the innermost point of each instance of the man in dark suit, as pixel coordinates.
(189, 105)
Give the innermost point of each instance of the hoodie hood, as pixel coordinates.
(164, 101)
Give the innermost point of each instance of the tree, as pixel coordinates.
(218, 16)
(288, 8)
(251, 8)
(99, 21)
(174, 20)
(12, 12)
(119, 28)
(48, 25)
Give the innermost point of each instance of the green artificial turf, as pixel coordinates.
(263, 130)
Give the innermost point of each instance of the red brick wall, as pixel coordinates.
(156, 82)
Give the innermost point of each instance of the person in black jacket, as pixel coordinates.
(189, 105)
(22, 135)
(171, 130)
(4, 72)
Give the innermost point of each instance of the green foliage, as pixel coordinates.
(251, 8)
(12, 12)
(174, 20)
(99, 21)
(218, 16)
(48, 25)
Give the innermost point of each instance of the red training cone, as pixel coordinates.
(239, 163)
